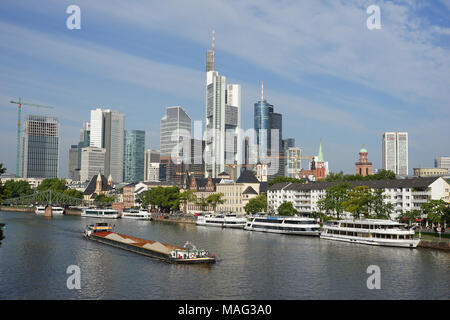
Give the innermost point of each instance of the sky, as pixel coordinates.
(330, 77)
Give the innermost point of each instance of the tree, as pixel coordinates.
(187, 196)
(437, 211)
(14, 189)
(358, 201)
(165, 199)
(202, 203)
(215, 199)
(104, 199)
(287, 209)
(74, 193)
(411, 216)
(2, 169)
(257, 204)
(334, 198)
(379, 209)
(280, 179)
(55, 184)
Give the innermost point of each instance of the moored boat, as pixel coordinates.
(229, 220)
(281, 224)
(189, 254)
(370, 231)
(40, 210)
(137, 215)
(100, 213)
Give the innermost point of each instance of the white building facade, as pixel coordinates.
(404, 194)
(395, 152)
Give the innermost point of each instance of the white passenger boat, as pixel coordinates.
(370, 231)
(280, 224)
(100, 213)
(57, 211)
(229, 220)
(137, 215)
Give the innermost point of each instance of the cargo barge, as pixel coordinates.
(102, 232)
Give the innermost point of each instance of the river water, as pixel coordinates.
(36, 252)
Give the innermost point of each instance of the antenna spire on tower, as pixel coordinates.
(262, 90)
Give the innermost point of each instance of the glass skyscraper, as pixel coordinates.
(134, 156)
(268, 139)
(40, 147)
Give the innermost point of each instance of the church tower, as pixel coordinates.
(363, 166)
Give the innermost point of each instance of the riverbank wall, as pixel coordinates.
(434, 244)
(176, 219)
(17, 209)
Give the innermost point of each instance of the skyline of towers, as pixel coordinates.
(395, 152)
(40, 147)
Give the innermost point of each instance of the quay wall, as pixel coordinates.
(17, 209)
(434, 245)
(191, 220)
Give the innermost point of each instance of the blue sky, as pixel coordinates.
(330, 77)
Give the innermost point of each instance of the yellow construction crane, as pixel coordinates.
(19, 112)
(234, 165)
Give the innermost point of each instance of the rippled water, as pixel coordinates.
(36, 252)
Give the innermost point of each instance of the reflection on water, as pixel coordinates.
(36, 252)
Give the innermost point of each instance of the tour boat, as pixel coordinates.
(370, 231)
(189, 254)
(40, 210)
(138, 215)
(229, 220)
(100, 213)
(281, 224)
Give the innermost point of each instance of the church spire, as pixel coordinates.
(320, 156)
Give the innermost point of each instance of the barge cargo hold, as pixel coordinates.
(102, 232)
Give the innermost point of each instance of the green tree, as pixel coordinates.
(410, 216)
(165, 199)
(257, 204)
(215, 199)
(358, 201)
(104, 200)
(74, 193)
(279, 179)
(287, 209)
(202, 203)
(55, 184)
(379, 209)
(334, 198)
(14, 189)
(2, 169)
(437, 211)
(186, 197)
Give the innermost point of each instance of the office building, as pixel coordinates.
(223, 122)
(269, 137)
(40, 153)
(430, 172)
(442, 163)
(134, 157)
(107, 131)
(293, 162)
(395, 152)
(92, 162)
(73, 161)
(151, 158)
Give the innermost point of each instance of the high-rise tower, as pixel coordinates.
(395, 152)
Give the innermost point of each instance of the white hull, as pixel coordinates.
(222, 225)
(136, 216)
(227, 221)
(298, 233)
(108, 216)
(406, 243)
(55, 212)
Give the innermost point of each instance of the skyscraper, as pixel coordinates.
(134, 156)
(107, 131)
(92, 162)
(442, 163)
(223, 121)
(176, 126)
(151, 165)
(395, 152)
(73, 161)
(269, 137)
(40, 147)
